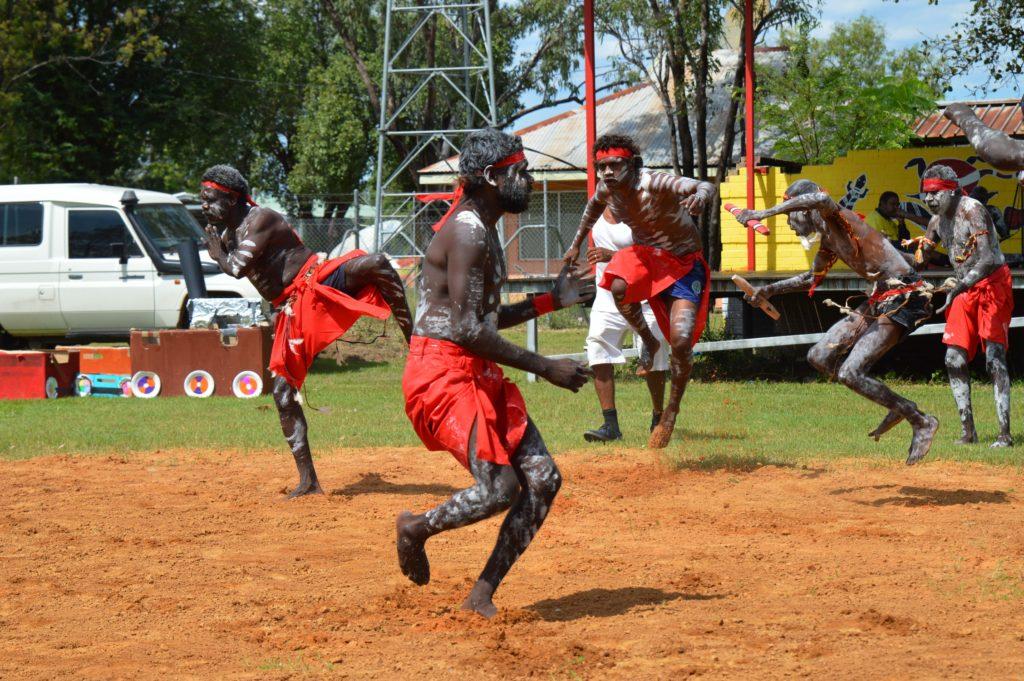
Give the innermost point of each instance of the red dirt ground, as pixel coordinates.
(184, 564)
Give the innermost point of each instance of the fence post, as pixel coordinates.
(547, 231)
(531, 344)
(355, 206)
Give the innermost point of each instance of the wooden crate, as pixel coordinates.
(173, 354)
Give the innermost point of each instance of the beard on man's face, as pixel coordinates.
(514, 197)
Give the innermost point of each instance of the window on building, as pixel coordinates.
(21, 224)
(98, 234)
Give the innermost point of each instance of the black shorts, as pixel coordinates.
(336, 280)
(908, 309)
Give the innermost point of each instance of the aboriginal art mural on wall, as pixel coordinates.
(858, 180)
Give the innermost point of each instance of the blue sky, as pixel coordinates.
(907, 23)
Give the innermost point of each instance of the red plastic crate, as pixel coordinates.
(23, 375)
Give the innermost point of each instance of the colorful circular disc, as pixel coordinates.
(199, 383)
(145, 384)
(83, 386)
(247, 384)
(52, 387)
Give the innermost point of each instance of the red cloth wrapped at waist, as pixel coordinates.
(447, 389)
(879, 296)
(314, 315)
(981, 313)
(647, 272)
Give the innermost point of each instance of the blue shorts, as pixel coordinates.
(690, 287)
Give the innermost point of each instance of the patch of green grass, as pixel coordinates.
(723, 425)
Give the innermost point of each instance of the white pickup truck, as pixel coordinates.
(89, 262)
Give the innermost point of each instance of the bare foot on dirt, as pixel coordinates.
(662, 433)
(891, 420)
(922, 440)
(412, 556)
(479, 600)
(305, 487)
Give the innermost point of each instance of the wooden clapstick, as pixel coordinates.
(745, 286)
(755, 225)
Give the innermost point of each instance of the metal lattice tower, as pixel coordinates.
(455, 20)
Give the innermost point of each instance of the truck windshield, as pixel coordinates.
(166, 225)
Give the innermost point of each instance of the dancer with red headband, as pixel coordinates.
(317, 300)
(455, 393)
(897, 302)
(665, 265)
(980, 306)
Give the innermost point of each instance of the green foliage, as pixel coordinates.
(991, 36)
(335, 139)
(845, 92)
(145, 95)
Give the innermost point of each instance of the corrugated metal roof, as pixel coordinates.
(558, 144)
(1004, 115)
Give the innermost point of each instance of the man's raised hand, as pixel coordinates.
(573, 286)
(694, 203)
(214, 245)
(567, 373)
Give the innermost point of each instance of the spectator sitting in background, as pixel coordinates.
(890, 219)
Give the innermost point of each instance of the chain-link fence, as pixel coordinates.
(534, 240)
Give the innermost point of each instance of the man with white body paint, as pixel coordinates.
(317, 300)
(607, 329)
(455, 393)
(980, 306)
(665, 265)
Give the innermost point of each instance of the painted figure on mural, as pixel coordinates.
(664, 266)
(897, 302)
(317, 300)
(979, 307)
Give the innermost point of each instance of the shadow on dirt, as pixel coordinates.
(926, 496)
(374, 483)
(608, 602)
(739, 464)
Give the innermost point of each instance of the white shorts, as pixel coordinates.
(604, 340)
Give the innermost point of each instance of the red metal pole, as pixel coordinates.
(748, 117)
(591, 105)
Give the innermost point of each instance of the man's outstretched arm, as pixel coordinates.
(595, 206)
(822, 261)
(466, 278)
(819, 201)
(572, 286)
(994, 147)
(696, 194)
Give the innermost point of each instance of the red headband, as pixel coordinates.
(614, 151)
(456, 196)
(510, 160)
(935, 184)
(228, 190)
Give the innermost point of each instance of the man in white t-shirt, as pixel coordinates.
(607, 329)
